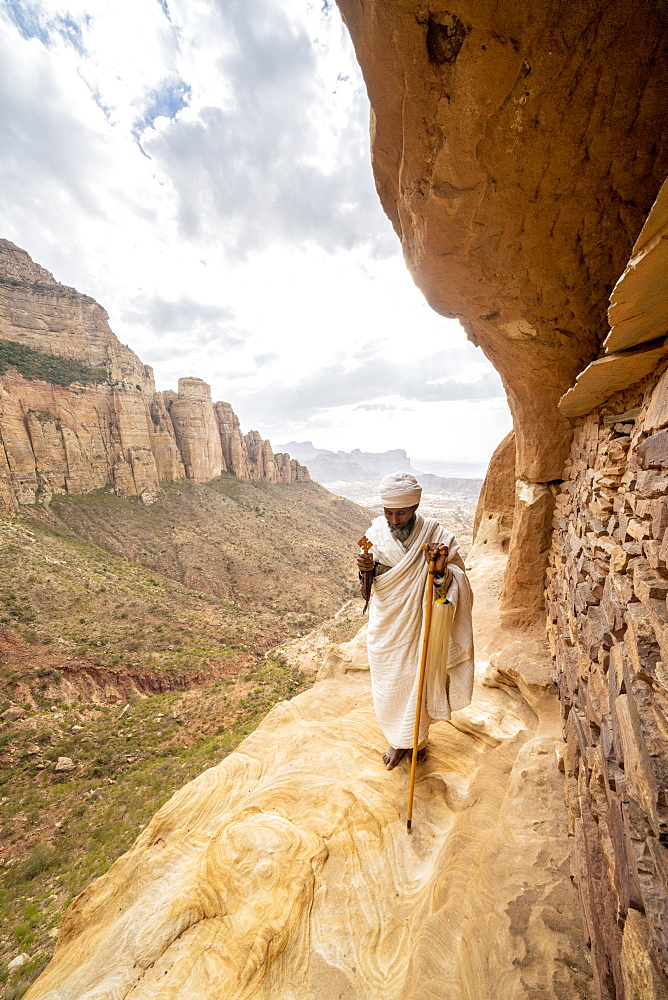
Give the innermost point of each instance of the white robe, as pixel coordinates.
(394, 638)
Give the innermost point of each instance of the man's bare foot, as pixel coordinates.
(391, 757)
(422, 755)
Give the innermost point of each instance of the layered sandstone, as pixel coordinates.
(36, 310)
(113, 429)
(196, 429)
(517, 149)
(287, 871)
(496, 503)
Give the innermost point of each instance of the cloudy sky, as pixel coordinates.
(201, 167)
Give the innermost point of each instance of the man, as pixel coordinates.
(396, 617)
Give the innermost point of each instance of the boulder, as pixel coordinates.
(63, 765)
(13, 713)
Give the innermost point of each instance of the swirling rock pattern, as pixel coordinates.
(286, 871)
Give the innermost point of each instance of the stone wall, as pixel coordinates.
(608, 626)
(607, 584)
(119, 431)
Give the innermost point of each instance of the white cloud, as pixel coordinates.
(201, 167)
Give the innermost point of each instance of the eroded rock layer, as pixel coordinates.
(101, 422)
(517, 149)
(287, 871)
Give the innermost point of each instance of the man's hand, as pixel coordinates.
(440, 554)
(365, 563)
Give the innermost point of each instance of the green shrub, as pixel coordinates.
(35, 365)
(38, 861)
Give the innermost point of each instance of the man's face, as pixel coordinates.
(397, 518)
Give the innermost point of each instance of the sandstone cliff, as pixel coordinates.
(286, 870)
(518, 150)
(79, 411)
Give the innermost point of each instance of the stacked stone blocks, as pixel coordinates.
(607, 586)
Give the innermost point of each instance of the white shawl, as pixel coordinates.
(394, 639)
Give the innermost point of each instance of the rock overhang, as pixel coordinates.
(517, 150)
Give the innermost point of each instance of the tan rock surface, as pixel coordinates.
(610, 374)
(232, 441)
(196, 429)
(36, 310)
(517, 150)
(116, 432)
(496, 502)
(638, 305)
(287, 871)
(522, 595)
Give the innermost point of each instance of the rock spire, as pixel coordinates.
(79, 411)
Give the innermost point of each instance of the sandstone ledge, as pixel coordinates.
(287, 871)
(610, 374)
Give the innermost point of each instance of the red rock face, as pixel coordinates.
(117, 432)
(517, 149)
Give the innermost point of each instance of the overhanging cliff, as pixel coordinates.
(517, 150)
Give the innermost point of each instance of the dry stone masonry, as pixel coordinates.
(114, 428)
(608, 624)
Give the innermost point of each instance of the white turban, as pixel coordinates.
(400, 490)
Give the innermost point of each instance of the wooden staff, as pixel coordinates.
(423, 663)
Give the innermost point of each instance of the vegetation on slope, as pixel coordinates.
(35, 365)
(139, 679)
(284, 547)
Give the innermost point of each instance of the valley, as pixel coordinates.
(135, 652)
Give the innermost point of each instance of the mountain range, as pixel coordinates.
(364, 467)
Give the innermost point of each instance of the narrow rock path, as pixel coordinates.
(286, 871)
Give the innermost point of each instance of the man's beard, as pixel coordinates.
(402, 531)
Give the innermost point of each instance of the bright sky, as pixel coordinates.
(201, 167)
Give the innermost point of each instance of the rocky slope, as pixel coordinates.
(79, 411)
(140, 683)
(287, 547)
(287, 870)
(135, 641)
